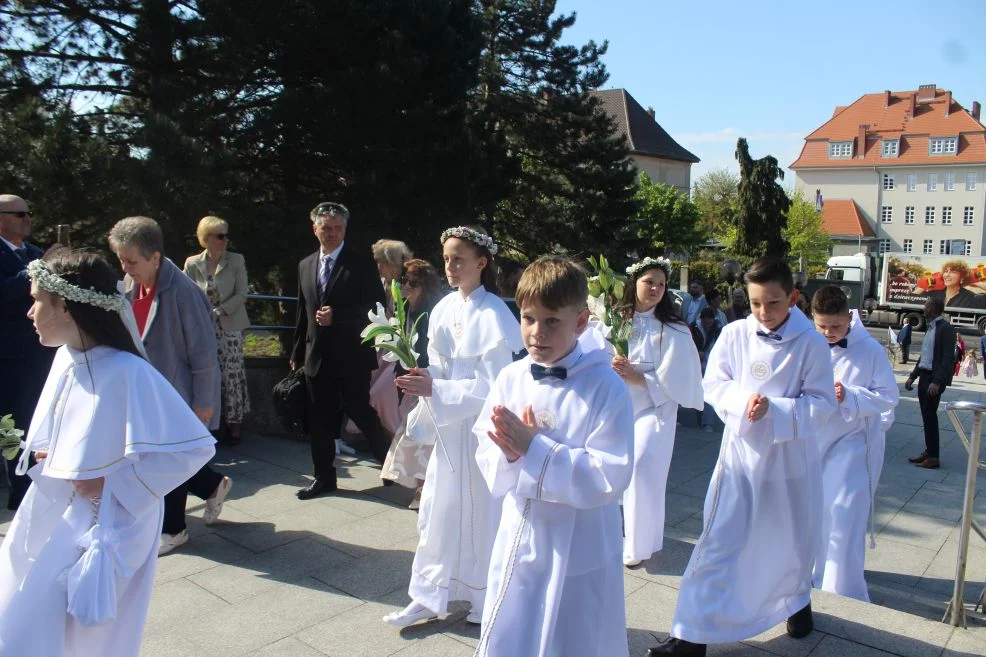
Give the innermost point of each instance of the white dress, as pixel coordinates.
(852, 446)
(556, 578)
(666, 355)
(102, 413)
(752, 565)
(470, 341)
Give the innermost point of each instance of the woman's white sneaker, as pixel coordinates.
(170, 541)
(214, 505)
(409, 615)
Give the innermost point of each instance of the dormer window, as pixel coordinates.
(840, 149)
(890, 148)
(943, 145)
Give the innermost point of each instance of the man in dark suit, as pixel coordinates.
(337, 286)
(23, 361)
(904, 340)
(933, 372)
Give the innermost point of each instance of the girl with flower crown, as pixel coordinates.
(662, 373)
(472, 335)
(111, 437)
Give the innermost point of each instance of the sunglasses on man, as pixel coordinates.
(332, 209)
(20, 214)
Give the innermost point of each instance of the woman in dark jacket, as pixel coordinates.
(407, 461)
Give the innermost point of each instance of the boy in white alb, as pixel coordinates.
(851, 444)
(769, 379)
(556, 443)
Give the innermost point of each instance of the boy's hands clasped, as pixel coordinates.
(512, 434)
(756, 408)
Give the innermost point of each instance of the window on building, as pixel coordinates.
(884, 246)
(953, 247)
(932, 182)
(970, 181)
(946, 215)
(943, 246)
(886, 214)
(968, 213)
(840, 149)
(943, 145)
(928, 247)
(912, 182)
(908, 245)
(929, 215)
(888, 181)
(890, 147)
(968, 248)
(949, 181)
(909, 215)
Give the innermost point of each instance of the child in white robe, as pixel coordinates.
(770, 380)
(111, 437)
(663, 372)
(556, 444)
(471, 336)
(852, 442)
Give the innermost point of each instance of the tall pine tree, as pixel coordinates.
(761, 215)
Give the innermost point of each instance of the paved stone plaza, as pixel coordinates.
(282, 578)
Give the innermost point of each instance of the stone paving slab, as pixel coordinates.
(280, 577)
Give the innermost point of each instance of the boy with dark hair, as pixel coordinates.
(769, 379)
(851, 443)
(556, 442)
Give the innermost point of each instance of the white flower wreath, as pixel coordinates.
(648, 262)
(51, 282)
(474, 236)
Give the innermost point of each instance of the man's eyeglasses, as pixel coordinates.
(332, 209)
(221, 236)
(21, 214)
(410, 282)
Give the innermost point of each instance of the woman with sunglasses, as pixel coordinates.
(222, 276)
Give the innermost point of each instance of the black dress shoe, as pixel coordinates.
(920, 457)
(800, 624)
(316, 488)
(677, 648)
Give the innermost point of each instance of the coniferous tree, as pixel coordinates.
(762, 206)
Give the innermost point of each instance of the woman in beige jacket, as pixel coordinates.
(222, 276)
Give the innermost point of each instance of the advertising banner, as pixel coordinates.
(909, 280)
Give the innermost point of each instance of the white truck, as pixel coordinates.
(907, 280)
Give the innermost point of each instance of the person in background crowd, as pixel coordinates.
(904, 340)
(337, 286)
(390, 256)
(407, 460)
(705, 333)
(982, 350)
(738, 308)
(714, 299)
(23, 360)
(662, 373)
(222, 276)
(804, 305)
(959, 351)
(933, 372)
(693, 302)
(174, 320)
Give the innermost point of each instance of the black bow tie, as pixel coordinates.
(844, 342)
(769, 336)
(539, 372)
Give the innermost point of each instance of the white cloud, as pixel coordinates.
(732, 134)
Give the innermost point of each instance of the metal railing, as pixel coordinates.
(253, 296)
(973, 443)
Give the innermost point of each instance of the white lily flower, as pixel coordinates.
(390, 357)
(597, 308)
(385, 338)
(377, 318)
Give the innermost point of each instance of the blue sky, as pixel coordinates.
(716, 70)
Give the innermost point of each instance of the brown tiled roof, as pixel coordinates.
(897, 115)
(644, 135)
(842, 217)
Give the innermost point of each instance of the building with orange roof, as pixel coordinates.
(906, 169)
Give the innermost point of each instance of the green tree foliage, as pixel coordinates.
(667, 218)
(558, 166)
(762, 206)
(809, 241)
(716, 194)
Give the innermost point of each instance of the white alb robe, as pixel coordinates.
(752, 565)
(102, 413)
(469, 341)
(556, 578)
(666, 355)
(851, 446)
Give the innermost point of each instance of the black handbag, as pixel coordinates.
(291, 401)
